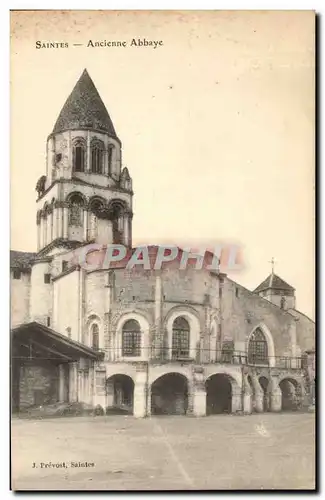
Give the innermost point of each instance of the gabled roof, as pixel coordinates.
(50, 344)
(84, 109)
(21, 260)
(273, 281)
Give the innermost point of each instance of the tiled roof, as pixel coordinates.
(84, 109)
(21, 260)
(275, 282)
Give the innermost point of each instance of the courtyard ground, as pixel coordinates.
(265, 451)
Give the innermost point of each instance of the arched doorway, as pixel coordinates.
(264, 383)
(218, 394)
(290, 394)
(119, 394)
(169, 395)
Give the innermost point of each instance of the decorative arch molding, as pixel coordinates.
(121, 370)
(235, 378)
(214, 339)
(269, 340)
(180, 308)
(191, 316)
(117, 202)
(145, 336)
(75, 195)
(131, 310)
(291, 377)
(96, 142)
(96, 201)
(79, 140)
(93, 319)
(159, 372)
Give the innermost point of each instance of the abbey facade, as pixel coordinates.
(166, 341)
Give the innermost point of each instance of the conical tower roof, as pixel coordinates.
(273, 281)
(84, 109)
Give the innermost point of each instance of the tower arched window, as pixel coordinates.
(131, 338)
(78, 156)
(95, 336)
(181, 338)
(109, 158)
(97, 156)
(117, 222)
(257, 348)
(75, 211)
(96, 207)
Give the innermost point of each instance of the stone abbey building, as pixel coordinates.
(166, 341)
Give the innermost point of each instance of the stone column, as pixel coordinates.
(60, 222)
(52, 226)
(92, 384)
(80, 386)
(85, 225)
(198, 393)
(205, 353)
(140, 392)
(39, 235)
(109, 393)
(158, 341)
(275, 395)
(44, 230)
(109, 232)
(73, 382)
(293, 340)
(236, 400)
(199, 402)
(258, 395)
(247, 397)
(108, 313)
(126, 230)
(70, 159)
(105, 161)
(61, 383)
(55, 223)
(65, 222)
(88, 152)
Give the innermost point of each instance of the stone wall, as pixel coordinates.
(242, 311)
(67, 304)
(38, 385)
(20, 290)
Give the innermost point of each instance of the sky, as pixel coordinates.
(216, 123)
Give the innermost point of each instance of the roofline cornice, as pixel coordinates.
(75, 180)
(91, 129)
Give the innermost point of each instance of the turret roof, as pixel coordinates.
(84, 109)
(273, 281)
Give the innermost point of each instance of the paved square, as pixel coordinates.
(219, 452)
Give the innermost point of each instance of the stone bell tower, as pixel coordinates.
(277, 291)
(85, 195)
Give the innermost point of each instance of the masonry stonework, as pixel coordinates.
(151, 342)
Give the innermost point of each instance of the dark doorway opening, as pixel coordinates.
(169, 395)
(219, 394)
(264, 383)
(119, 394)
(290, 395)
